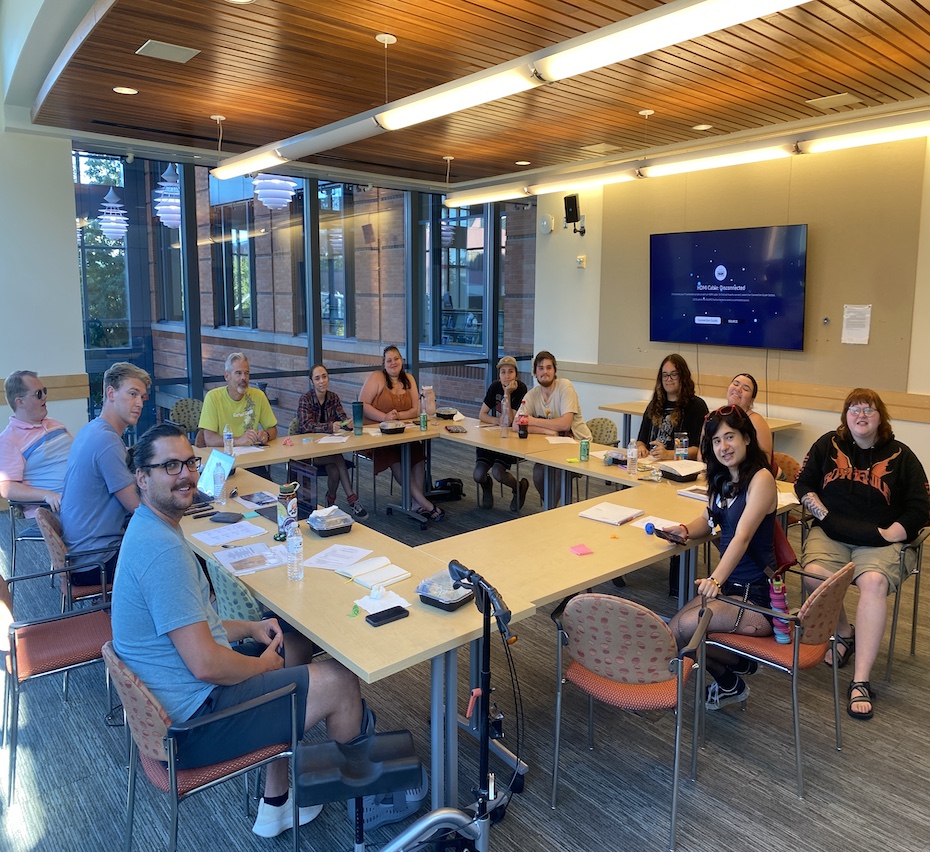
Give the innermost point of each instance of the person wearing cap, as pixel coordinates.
(507, 388)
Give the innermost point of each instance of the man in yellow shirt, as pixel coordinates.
(244, 409)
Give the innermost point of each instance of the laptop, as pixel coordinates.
(217, 459)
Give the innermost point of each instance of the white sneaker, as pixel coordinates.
(271, 820)
(718, 698)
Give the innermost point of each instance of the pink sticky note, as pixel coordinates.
(581, 550)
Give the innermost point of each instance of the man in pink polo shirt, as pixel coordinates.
(33, 447)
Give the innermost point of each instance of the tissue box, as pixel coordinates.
(331, 521)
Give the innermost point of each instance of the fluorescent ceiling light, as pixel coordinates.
(867, 137)
(584, 180)
(331, 136)
(248, 163)
(671, 23)
(487, 195)
(719, 161)
(480, 88)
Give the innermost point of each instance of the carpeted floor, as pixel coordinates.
(71, 777)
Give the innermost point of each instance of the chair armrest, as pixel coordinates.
(918, 540)
(71, 555)
(29, 503)
(244, 707)
(556, 616)
(690, 650)
(49, 619)
(771, 613)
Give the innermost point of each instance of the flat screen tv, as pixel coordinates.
(740, 287)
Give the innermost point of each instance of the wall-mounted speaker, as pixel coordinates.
(571, 208)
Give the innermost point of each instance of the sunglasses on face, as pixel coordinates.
(173, 466)
(41, 393)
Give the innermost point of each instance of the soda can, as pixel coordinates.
(423, 421)
(585, 450)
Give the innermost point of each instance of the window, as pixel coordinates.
(333, 252)
(234, 250)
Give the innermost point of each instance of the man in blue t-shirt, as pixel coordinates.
(99, 491)
(167, 631)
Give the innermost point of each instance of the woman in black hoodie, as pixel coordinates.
(868, 494)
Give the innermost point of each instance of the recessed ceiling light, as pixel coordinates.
(522, 163)
(702, 127)
(125, 90)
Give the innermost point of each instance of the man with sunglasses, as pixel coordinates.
(99, 490)
(33, 448)
(167, 631)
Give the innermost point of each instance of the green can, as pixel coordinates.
(424, 422)
(585, 450)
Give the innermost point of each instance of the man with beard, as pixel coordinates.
(244, 409)
(99, 490)
(166, 630)
(553, 409)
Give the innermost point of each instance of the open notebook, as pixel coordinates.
(610, 513)
(377, 571)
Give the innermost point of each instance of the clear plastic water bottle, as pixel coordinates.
(505, 416)
(632, 458)
(227, 440)
(219, 486)
(295, 552)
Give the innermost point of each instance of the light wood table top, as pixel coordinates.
(293, 447)
(487, 437)
(539, 564)
(635, 408)
(320, 605)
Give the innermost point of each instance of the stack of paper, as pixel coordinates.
(249, 558)
(695, 492)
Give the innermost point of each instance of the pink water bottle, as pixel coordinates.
(778, 596)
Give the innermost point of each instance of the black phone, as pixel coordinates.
(386, 616)
(674, 538)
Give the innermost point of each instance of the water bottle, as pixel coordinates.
(295, 553)
(227, 440)
(219, 486)
(505, 416)
(777, 596)
(632, 458)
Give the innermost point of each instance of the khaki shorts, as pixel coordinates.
(822, 550)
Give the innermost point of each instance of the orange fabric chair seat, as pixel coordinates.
(661, 695)
(192, 779)
(766, 648)
(60, 644)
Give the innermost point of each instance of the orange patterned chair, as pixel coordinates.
(155, 744)
(42, 646)
(61, 560)
(812, 635)
(624, 655)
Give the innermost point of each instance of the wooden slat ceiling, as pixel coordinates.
(277, 68)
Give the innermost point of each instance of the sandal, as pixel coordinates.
(436, 515)
(846, 647)
(864, 695)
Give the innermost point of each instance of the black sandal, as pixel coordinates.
(865, 694)
(845, 648)
(436, 515)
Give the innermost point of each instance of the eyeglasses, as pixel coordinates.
(726, 411)
(673, 375)
(867, 410)
(38, 394)
(173, 466)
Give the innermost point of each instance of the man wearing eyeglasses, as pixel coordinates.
(33, 448)
(167, 631)
(99, 490)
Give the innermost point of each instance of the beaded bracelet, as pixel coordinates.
(716, 583)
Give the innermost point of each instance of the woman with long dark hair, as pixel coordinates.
(742, 500)
(674, 407)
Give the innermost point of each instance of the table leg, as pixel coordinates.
(625, 429)
(451, 779)
(404, 506)
(437, 737)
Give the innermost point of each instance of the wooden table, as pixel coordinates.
(320, 607)
(636, 408)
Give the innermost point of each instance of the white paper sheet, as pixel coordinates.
(337, 556)
(226, 533)
(333, 439)
(386, 601)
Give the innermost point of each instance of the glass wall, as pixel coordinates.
(247, 284)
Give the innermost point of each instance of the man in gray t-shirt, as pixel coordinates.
(167, 631)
